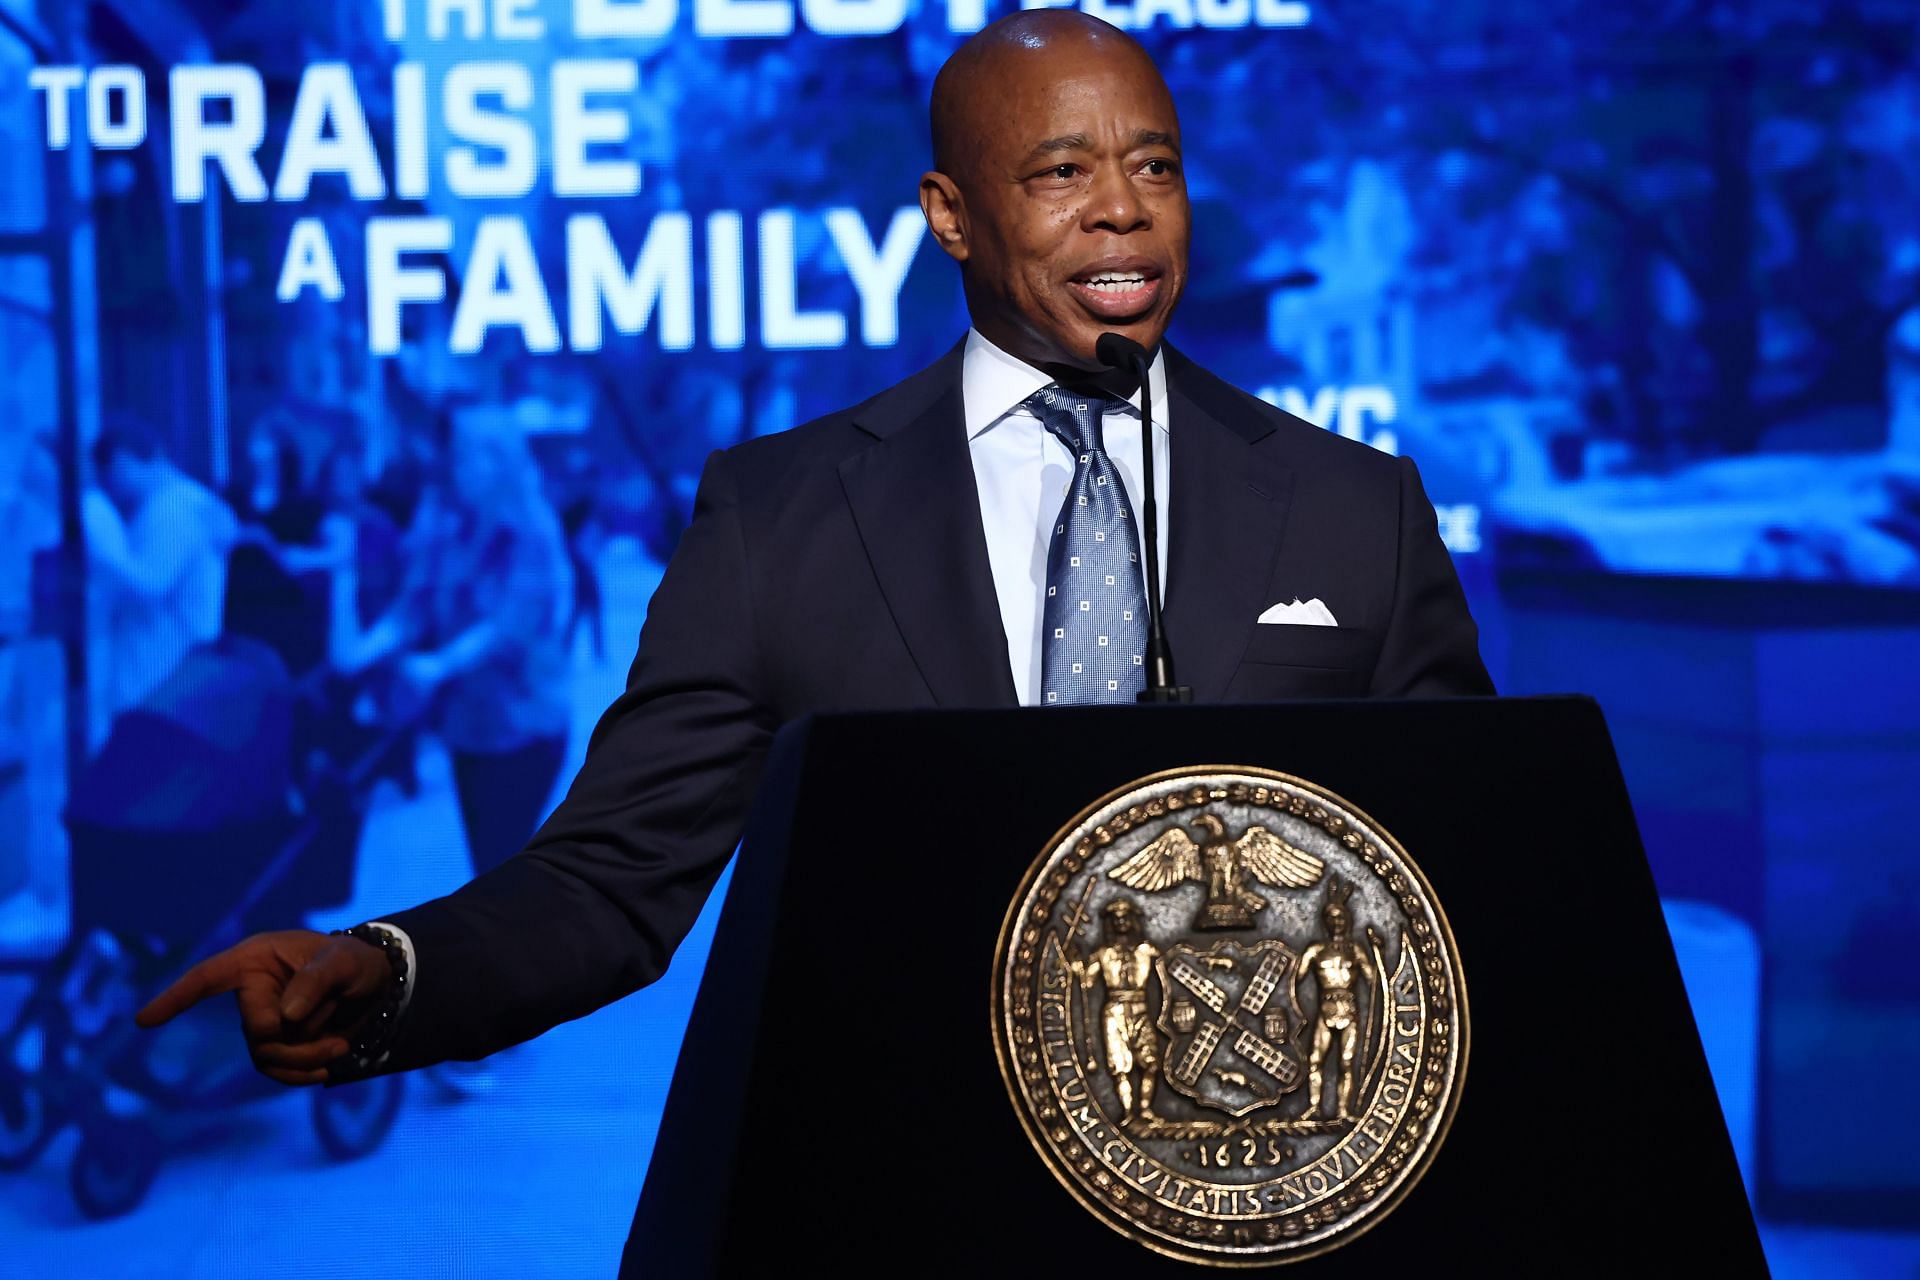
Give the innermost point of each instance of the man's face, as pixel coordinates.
(1072, 216)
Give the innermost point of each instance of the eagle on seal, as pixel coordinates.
(1224, 866)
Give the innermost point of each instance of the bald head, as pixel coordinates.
(1058, 186)
(969, 92)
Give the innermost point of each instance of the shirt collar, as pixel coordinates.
(993, 383)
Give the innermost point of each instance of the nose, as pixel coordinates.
(1115, 205)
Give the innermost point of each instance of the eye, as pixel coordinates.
(1159, 168)
(1062, 171)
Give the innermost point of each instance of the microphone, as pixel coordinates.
(1117, 351)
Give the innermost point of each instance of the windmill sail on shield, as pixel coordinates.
(1228, 1014)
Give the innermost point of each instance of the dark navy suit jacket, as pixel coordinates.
(843, 566)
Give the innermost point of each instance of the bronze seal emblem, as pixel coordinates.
(1231, 1015)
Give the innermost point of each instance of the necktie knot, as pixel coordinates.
(1072, 416)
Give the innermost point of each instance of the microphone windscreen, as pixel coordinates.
(1117, 351)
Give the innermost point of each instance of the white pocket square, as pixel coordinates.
(1311, 614)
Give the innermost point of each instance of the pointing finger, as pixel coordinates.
(210, 977)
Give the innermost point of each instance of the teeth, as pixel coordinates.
(1108, 282)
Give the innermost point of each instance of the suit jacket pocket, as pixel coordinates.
(1324, 648)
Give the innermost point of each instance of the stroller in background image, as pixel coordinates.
(230, 801)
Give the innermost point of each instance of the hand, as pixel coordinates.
(301, 994)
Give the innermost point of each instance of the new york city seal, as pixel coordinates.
(1231, 1015)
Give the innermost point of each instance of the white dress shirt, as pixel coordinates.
(1023, 473)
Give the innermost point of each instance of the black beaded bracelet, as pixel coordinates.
(369, 1044)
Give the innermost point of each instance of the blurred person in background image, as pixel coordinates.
(478, 630)
(354, 705)
(104, 530)
(271, 496)
(584, 526)
(352, 519)
(31, 882)
(273, 594)
(29, 526)
(167, 580)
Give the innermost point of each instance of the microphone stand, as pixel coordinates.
(1159, 658)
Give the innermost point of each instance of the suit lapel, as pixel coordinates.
(1229, 507)
(918, 512)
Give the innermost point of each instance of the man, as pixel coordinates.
(1133, 1050)
(928, 548)
(169, 573)
(1342, 971)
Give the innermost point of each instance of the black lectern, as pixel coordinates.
(838, 1102)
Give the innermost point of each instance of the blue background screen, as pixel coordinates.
(288, 294)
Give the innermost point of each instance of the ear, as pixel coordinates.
(946, 213)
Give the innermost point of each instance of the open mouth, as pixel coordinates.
(1117, 292)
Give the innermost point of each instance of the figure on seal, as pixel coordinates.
(1336, 963)
(1124, 964)
(1224, 866)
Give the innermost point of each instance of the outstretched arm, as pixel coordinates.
(596, 904)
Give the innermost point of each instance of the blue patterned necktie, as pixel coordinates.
(1096, 614)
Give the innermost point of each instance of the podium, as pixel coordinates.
(838, 1101)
